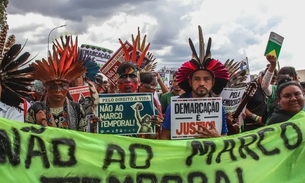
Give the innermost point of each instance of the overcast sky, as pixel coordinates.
(238, 28)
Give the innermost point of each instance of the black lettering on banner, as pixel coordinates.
(286, 140)
(142, 177)
(195, 175)
(227, 148)
(261, 134)
(113, 179)
(197, 146)
(245, 146)
(69, 180)
(171, 178)
(33, 129)
(239, 172)
(57, 160)
(220, 176)
(109, 153)
(6, 150)
(133, 156)
(42, 152)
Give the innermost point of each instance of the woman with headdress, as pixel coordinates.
(57, 73)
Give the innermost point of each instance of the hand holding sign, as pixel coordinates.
(271, 59)
(274, 45)
(208, 133)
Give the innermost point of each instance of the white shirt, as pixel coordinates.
(12, 113)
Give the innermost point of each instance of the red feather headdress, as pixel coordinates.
(203, 62)
(134, 56)
(63, 65)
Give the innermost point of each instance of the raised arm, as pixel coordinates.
(266, 86)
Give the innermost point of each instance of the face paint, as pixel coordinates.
(128, 83)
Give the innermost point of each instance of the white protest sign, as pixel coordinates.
(188, 113)
(231, 98)
(100, 55)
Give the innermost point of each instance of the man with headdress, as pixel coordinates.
(200, 77)
(15, 82)
(129, 72)
(62, 67)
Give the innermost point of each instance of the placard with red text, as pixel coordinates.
(188, 113)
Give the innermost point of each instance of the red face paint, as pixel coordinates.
(128, 83)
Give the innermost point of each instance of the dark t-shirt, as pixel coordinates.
(257, 104)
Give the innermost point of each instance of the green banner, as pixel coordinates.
(30, 153)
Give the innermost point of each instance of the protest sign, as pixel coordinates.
(126, 114)
(231, 98)
(99, 54)
(274, 44)
(30, 153)
(109, 69)
(79, 93)
(165, 76)
(188, 113)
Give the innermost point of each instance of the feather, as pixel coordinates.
(19, 61)
(126, 54)
(201, 44)
(194, 53)
(237, 76)
(135, 50)
(10, 55)
(208, 50)
(9, 43)
(140, 60)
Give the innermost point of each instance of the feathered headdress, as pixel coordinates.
(149, 63)
(92, 68)
(134, 55)
(15, 82)
(203, 62)
(237, 76)
(63, 65)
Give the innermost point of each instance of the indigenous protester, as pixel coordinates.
(165, 99)
(290, 99)
(256, 106)
(57, 73)
(15, 83)
(38, 92)
(89, 103)
(100, 85)
(237, 80)
(129, 72)
(198, 78)
(270, 90)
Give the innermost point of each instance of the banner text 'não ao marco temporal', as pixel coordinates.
(29, 153)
